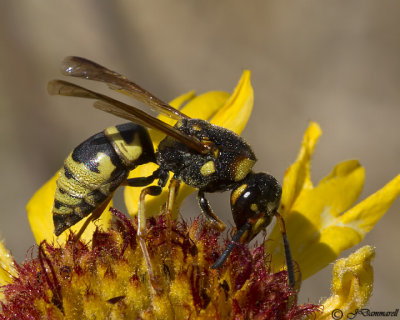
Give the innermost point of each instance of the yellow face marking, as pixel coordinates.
(128, 152)
(242, 168)
(258, 225)
(254, 207)
(237, 192)
(208, 168)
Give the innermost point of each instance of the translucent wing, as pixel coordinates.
(120, 109)
(84, 68)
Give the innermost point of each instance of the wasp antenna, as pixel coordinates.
(224, 256)
(288, 255)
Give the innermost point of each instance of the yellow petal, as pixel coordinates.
(179, 101)
(351, 285)
(157, 136)
(349, 229)
(40, 216)
(201, 107)
(363, 217)
(311, 224)
(236, 112)
(7, 266)
(317, 229)
(216, 104)
(206, 105)
(297, 176)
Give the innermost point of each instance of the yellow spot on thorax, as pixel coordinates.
(242, 168)
(208, 168)
(197, 127)
(237, 192)
(260, 224)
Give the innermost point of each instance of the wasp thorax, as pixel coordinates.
(229, 160)
(258, 193)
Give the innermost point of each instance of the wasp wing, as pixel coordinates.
(120, 109)
(84, 68)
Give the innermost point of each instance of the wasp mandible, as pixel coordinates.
(204, 156)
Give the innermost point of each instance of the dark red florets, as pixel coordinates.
(68, 280)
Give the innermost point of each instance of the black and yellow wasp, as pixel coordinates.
(204, 156)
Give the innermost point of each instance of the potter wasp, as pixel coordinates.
(204, 156)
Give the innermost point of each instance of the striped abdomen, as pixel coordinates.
(95, 168)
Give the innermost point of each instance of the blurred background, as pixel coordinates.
(334, 62)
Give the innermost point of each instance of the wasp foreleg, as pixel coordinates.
(173, 190)
(209, 213)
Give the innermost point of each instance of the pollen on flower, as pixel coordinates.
(108, 278)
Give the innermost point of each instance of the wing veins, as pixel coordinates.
(87, 69)
(120, 109)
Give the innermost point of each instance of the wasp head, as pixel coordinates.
(255, 200)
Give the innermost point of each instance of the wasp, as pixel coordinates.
(204, 156)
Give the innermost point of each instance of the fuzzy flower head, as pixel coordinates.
(110, 279)
(104, 274)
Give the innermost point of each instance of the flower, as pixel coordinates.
(320, 221)
(351, 284)
(71, 279)
(110, 279)
(7, 268)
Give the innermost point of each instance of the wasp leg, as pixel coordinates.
(288, 255)
(173, 190)
(95, 215)
(153, 191)
(142, 181)
(208, 212)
